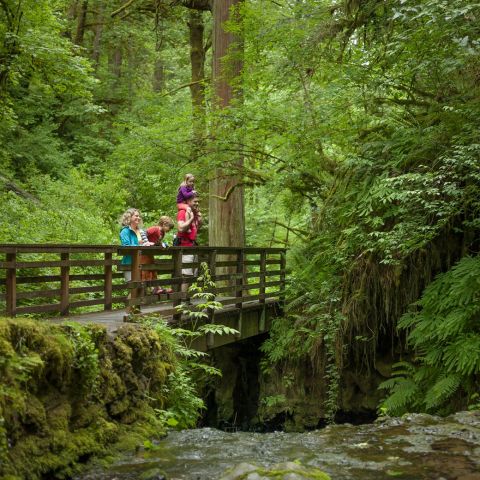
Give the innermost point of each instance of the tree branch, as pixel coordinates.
(297, 231)
(185, 85)
(231, 189)
(11, 186)
(122, 8)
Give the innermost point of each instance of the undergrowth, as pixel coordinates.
(444, 332)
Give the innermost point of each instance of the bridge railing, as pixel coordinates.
(62, 279)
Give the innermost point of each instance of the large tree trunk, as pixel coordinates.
(159, 74)
(159, 82)
(226, 202)
(115, 61)
(82, 17)
(97, 39)
(197, 88)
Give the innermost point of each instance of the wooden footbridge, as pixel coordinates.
(85, 283)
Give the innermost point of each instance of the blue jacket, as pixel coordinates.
(129, 238)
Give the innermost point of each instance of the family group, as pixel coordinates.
(189, 220)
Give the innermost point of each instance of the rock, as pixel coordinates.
(238, 471)
(153, 474)
(280, 471)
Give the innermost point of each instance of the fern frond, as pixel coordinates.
(442, 391)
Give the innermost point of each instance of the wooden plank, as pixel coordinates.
(57, 278)
(56, 292)
(248, 298)
(158, 299)
(93, 276)
(56, 248)
(87, 303)
(55, 307)
(177, 273)
(166, 267)
(95, 288)
(55, 263)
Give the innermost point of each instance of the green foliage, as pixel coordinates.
(85, 356)
(443, 330)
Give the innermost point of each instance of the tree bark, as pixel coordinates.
(159, 83)
(82, 17)
(226, 219)
(197, 87)
(97, 39)
(115, 61)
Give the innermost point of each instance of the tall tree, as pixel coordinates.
(82, 18)
(226, 202)
(197, 87)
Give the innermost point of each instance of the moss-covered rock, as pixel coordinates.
(69, 392)
(280, 471)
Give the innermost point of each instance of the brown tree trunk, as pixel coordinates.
(159, 68)
(97, 39)
(71, 15)
(197, 87)
(82, 17)
(226, 202)
(159, 75)
(115, 61)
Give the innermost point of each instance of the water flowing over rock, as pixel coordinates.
(414, 447)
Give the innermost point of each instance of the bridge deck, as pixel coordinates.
(113, 319)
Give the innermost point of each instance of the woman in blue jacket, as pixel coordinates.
(132, 235)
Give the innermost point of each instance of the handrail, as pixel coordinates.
(60, 278)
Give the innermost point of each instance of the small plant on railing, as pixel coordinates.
(195, 313)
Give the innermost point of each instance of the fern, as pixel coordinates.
(442, 390)
(445, 330)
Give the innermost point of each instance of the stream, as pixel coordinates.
(413, 447)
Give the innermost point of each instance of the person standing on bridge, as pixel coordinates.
(188, 223)
(155, 235)
(132, 235)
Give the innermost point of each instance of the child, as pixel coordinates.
(185, 192)
(155, 235)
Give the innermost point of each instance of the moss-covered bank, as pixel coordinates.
(68, 392)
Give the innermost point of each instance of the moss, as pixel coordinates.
(50, 421)
(279, 471)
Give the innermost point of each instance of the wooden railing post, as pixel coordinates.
(11, 285)
(283, 264)
(65, 284)
(212, 263)
(212, 266)
(261, 290)
(240, 270)
(136, 275)
(107, 281)
(239, 278)
(263, 277)
(177, 273)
